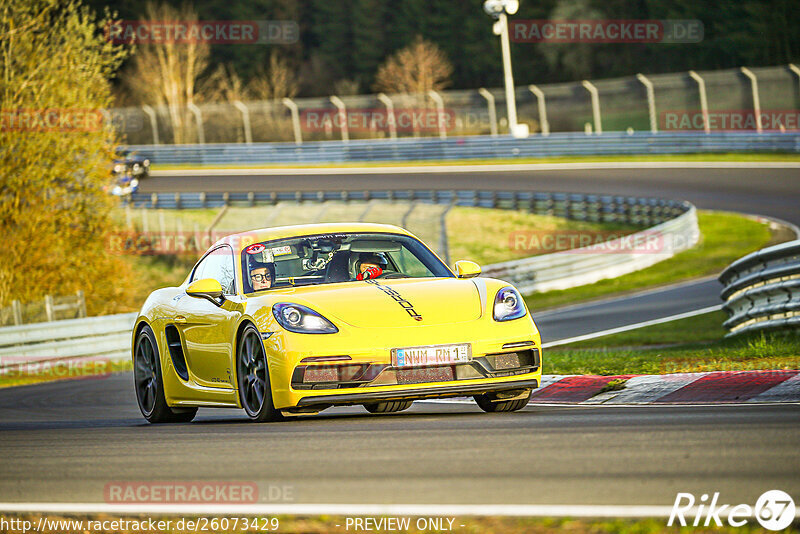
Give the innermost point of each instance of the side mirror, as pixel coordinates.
(207, 288)
(467, 269)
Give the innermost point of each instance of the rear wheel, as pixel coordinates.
(388, 406)
(255, 392)
(488, 403)
(149, 383)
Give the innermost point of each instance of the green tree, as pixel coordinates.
(55, 154)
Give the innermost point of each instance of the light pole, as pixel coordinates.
(499, 10)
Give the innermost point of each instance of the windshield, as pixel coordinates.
(333, 258)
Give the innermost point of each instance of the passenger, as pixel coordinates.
(262, 276)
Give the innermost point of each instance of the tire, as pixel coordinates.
(252, 377)
(149, 384)
(488, 405)
(388, 406)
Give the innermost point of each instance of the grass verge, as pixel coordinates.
(652, 350)
(722, 157)
(725, 237)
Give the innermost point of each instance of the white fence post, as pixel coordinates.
(651, 101)
(298, 136)
(542, 108)
(437, 98)
(49, 308)
(248, 133)
(756, 100)
(81, 303)
(390, 118)
(198, 117)
(343, 126)
(598, 126)
(16, 309)
(701, 85)
(151, 114)
(492, 110)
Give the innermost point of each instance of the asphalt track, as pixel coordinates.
(606, 314)
(66, 441)
(748, 189)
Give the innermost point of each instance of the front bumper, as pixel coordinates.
(369, 349)
(459, 390)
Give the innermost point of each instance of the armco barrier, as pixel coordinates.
(592, 208)
(762, 290)
(470, 147)
(107, 337)
(571, 268)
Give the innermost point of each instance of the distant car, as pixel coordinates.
(292, 320)
(124, 186)
(132, 164)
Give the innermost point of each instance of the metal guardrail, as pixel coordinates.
(572, 268)
(470, 147)
(762, 290)
(107, 337)
(575, 206)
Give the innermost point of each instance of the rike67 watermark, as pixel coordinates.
(774, 510)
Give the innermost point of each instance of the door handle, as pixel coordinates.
(180, 319)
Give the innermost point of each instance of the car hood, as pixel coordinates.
(395, 303)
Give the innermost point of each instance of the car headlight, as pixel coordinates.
(508, 305)
(301, 319)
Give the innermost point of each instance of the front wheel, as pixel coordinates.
(488, 403)
(150, 384)
(255, 392)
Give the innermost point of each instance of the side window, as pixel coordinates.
(218, 264)
(409, 264)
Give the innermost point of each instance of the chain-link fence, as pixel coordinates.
(676, 103)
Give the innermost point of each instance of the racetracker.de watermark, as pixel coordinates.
(596, 242)
(605, 31)
(377, 119)
(777, 120)
(188, 492)
(51, 120)
(268, 32)
(41, 367)
(133, 243)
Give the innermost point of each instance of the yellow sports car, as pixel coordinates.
(292, 320)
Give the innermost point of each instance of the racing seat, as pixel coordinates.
(338, 269)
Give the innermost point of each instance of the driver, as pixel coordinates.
(370, 265)
(262, 276)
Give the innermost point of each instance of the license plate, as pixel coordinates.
(431, 355)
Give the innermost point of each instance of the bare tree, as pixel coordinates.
(346, 87)
(167, 73)
(222, 85)
(418, 68)
(278, 81)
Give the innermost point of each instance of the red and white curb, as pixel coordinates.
(678, 388)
